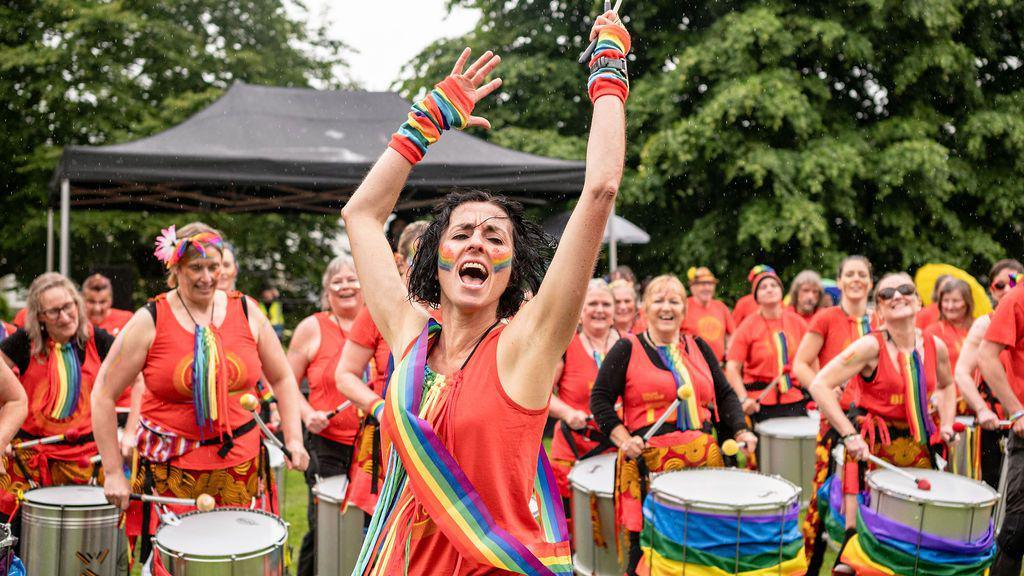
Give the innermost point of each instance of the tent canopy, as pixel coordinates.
(260, 148)
(625, 231)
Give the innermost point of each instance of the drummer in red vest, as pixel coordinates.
(747, 304)
(1006, 334)
(199, 349)
(645, 371)
(956, 314)
(707, 316)
(929, 314)
(57, 354)
(896, 371)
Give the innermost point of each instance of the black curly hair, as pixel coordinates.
(532, 250)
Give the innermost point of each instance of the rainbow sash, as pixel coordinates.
(863, 326)
(420, 463)
(687, 415)
(782, 358)
(65, 389)
(206, 374)
(921, 425)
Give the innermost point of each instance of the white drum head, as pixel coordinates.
(276, 456)
(793, 427)
(222, 532)
(595, 475)
(947, 488)
(331, 489)
(726, 488)
(966, 420)
(67, 496)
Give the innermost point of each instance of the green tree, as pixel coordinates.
(789, 133)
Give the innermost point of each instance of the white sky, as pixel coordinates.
(382, 32)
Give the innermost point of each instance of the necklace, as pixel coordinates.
(597, 354)
(189, 312)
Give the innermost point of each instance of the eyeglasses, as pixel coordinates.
(337, 286)
(54, 313)
(888, 293)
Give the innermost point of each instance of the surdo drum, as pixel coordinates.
(787, 448)
(72, 530)
(956, 508)
(593, 479)
(223, 542)
(276, 457)
(339, 536)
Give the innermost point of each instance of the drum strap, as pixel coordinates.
(569, 439)
(227, 442)
(83, 439)
(375, 455)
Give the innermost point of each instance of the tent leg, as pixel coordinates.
(613, 247)
(49, 239)
(65, 223)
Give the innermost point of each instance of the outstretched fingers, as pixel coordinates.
(461, 62)
(478, 65)
(486, 69)
(478, 122)
(483, 91)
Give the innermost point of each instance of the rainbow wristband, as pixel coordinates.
(376, 408)
(446, 107)
(613, 43)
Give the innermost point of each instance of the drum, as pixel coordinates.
(965, 455)
(786, 447)
(722, 520)
(72, 530)
(339, 535)
(276, 457)
(223, 542)
(956, 508)
(593, 485)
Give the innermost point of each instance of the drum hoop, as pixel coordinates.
(328, 498)
(672, 499)
(587, 490)
(759, 428)
(218, 559)
(874, 485)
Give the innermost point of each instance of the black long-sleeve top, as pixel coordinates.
(611, 385)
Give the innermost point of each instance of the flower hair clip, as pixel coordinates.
(170, 248)
(166, 243)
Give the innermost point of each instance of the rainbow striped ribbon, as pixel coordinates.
(205, 368)
(65, 381)
(921, 425)
(598, 358)
(265, 391)
(422, 463)
(782, 358)
(863, 326)
(687, 415)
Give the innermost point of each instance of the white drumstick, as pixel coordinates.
(922, 483)
(252, 404)
(69, 436)
(204, 502)
(340, 407)
(775, 382)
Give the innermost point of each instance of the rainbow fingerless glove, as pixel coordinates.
(446, 107)
(612, 43)
(377, 408)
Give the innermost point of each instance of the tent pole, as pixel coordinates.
(49, 239)
(613, 248)
(65, 223)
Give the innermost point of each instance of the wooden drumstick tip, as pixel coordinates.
(249, 402)
(684, 393)
(72, 434)
(730, 447)
(812, 406)
(959, 427)
(205, 503)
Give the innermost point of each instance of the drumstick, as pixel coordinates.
(731, 447)
(586, 54)
(922, 483)
(618, 407)
(339, 408)
(252, 404)
(69, 436)
(204, 502)
(771, 386)
(682, 393)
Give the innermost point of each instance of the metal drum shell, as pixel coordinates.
(266, 561)
(53, 535)
(588, 559)
(958, 463)
(277, 467)
(339, 536)
(925, 511)
(787, 447)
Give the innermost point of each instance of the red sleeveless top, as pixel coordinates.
(36, 381)
(578, 376)
(167, 400)
(649, 390)
(495, 441)
(323, 389)
(364, 332)
(885, 393)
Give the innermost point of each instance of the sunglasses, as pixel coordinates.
(889, 293)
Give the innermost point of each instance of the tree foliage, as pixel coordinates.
(789, 133)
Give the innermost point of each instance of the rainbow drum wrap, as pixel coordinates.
(945, 531)
(712, 522)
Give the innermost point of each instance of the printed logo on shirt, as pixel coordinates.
(710, 328)
(896, 399)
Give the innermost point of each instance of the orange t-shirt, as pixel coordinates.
(927, 316)
(1007, 328)
(19, 318)
(807, 317)
(744, 307)
(712, 323)
(837, 331)
(754, 346)
(364, 332)
(952, 336)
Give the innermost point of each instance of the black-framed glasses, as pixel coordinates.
(53, 314)
(888, 293)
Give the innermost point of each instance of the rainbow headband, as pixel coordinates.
(170, 249)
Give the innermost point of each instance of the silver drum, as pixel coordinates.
(787, 448)
(276, 457)
(965, 456)
(956, 508)
(594, 478)
(223, 542)
(72, 530)
(339, 536)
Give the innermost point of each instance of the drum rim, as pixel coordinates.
(788, 436)
(330, 499)
(874, 485)
(244, 556)
(672, 499)
(49, 506)
(612, 457)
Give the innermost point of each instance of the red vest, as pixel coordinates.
(649, 390)
(885, 394)
(323, 389)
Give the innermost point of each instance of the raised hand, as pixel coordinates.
(470, 80)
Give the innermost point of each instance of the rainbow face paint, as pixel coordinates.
(501, 257)
(445, 258)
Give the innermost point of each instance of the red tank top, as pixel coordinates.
(649, 390)
(167, 400)
(885, 394)
(323, 390)
(495, 441)
(578, 376)
(36, 381)
(364, 332)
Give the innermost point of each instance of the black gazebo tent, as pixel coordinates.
(260, 148)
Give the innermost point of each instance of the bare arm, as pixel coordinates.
(994, 373)
(946, 389)
(859, 356)
(967, 365)
(305, 342)
(15, 405)
(806, 357)
(354, 359)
